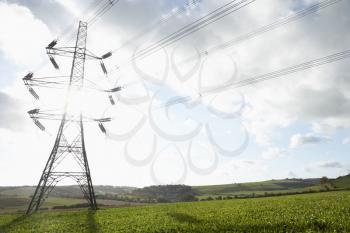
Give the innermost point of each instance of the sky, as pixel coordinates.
(295, 126)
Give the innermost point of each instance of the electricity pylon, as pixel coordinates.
(70, 137)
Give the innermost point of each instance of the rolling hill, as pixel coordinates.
(257, 187)
(316, 212)
(65, 191)
(273, 187)
(342, 182)
(17, 198)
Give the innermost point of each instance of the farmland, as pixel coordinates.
(317, 212)
(16, 199)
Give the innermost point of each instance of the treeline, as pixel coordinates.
(156, 194)
(270, 194)
(183, 193)
(167, 193)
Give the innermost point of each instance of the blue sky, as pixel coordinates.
(297, 126)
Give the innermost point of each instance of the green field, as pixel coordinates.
(270, 186)
(16, 199)
(16, 204)
(20, 204)
(318, 212)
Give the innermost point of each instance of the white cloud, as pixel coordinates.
(292, 174)
(331, 125)
(244, 164)
(319, 96)
(325, 166)
(71, 6)
(346, 141)
(298, 140)
(330, 164)
(22, 36)
(314, 96)
(273, 153)
(11, 114)
(244, 170)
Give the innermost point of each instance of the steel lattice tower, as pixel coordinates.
(70, 137)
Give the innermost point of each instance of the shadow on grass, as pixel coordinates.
(217, 227)
(184, 218)
(91, 222)
(4, 228)
(279, 227)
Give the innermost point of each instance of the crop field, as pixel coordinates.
(318, 212)
(20, 204)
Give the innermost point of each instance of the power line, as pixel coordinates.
(98, 14)
(292, 69)
(69, 31)
(204, 21)
(102, 11)
(271, 75)
(264, 29)
(200, 23)
(153, 26)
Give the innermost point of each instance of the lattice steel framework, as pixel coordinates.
(70, 137)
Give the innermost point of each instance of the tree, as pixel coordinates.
(324, 180)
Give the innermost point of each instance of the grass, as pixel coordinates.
(318, 212)
(343, 181)
(15, 204)
(245, 193)
(20, 204)
(284, 186)
(257, 187)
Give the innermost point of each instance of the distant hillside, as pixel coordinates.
(257, 187)
(342, 182)
(166, 193)
(171, 193)
(14, 199)
(65, 191)
(272, 186)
